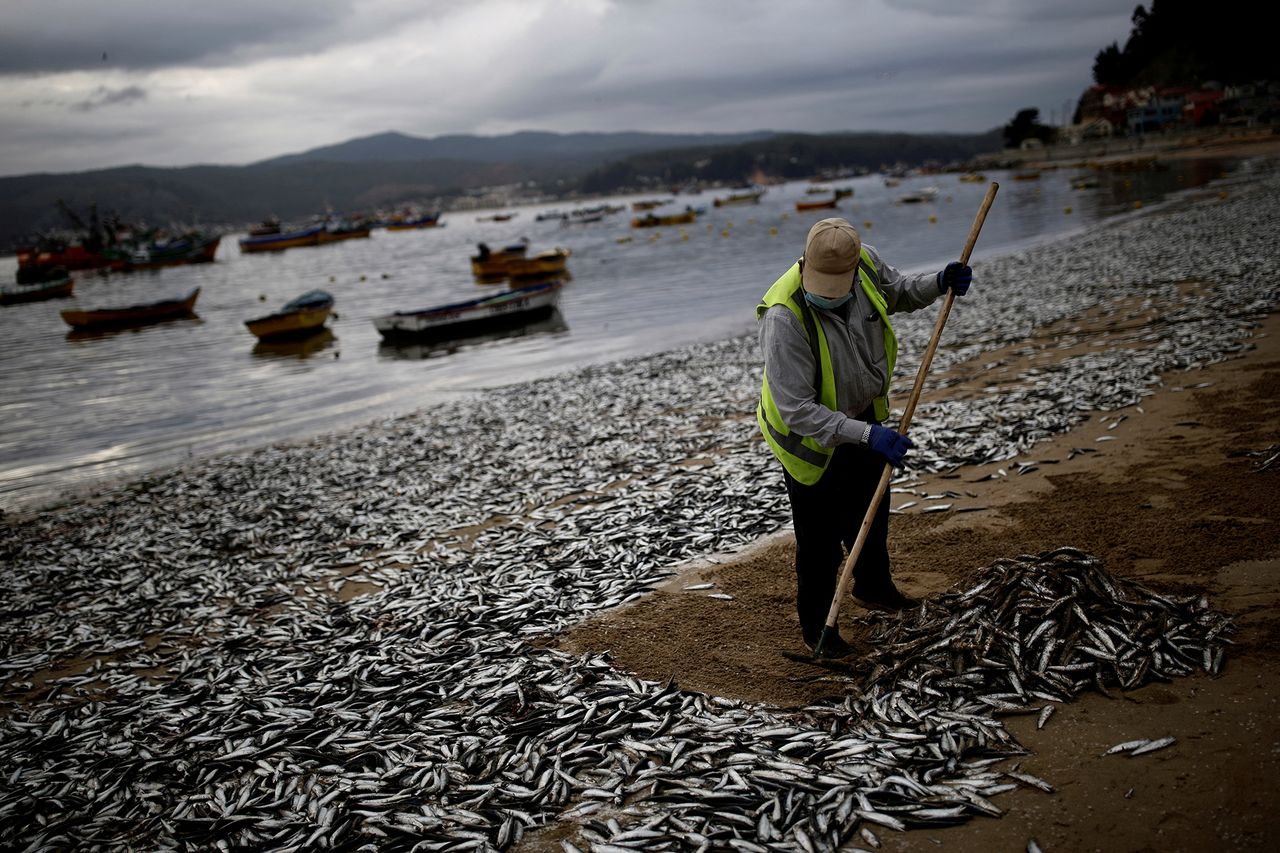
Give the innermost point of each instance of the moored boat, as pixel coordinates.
(511, 308)
(191, 248)
(298, 318)
(339, 232)
(844, 192)
(488, 265)
(740, 198)
(650, 220)
(924, 194)
(54, 288)
(649, 204)
(283, 240)
(412, 223)
(132, 315)
(1026, 176)
(802, 206)
(972, 178)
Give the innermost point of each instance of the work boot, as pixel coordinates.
(884, 598)
(835, 647)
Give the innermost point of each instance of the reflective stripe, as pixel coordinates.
(794, 444)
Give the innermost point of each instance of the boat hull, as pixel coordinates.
(57, 289)
(134, 315)
(465, 319)
(280, 242)
(828, 204)
(289, 325)
(652, 221)
(339, 236)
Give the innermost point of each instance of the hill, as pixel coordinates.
(391, 169)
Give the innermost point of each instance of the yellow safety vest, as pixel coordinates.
(803, 457)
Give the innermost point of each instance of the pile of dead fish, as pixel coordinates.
(1039, 629)
(180, 665)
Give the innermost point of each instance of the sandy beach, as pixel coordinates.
(419, 631)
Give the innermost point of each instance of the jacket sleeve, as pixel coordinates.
(788, 364)
(905, 293)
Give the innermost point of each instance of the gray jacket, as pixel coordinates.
(855, 337)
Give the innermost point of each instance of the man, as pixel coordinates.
(829, 351)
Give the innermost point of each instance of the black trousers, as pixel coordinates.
(828, 515)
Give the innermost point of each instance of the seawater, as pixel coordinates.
(76, 410)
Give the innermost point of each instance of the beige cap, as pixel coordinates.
(830, 257)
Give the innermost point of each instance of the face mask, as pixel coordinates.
(825, 303)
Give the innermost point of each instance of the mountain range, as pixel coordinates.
(394, 169)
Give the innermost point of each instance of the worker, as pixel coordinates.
(829, 350)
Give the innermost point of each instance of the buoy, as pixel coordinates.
(867, 224)
(724, 233)
(331, 278)
(773, 232)
(785, 215)
(933, 219)
(363, 278)
(1137, 204)
(262, 297)
(624, 239)
(1066, 210)
(1222, 194)
(684, 237)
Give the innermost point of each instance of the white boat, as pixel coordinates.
(502, 310)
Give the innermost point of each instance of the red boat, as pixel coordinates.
(73, 257)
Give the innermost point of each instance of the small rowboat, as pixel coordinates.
(35, 291)
(461, 319)
(133, 315)
(297, 319)
(488, 265)
(973, 178)
(815, 205)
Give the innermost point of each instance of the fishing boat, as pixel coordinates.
(488, 265)
(282, 240)
(297, 319)
(815, 205)
(541, 265)
(497, 217)
(53, 288)
(1085, 183)
(1026, 176)
(337, 232)
(650, 220)
(412, 223)
(740, 198)
(190, 248)
(973, 178)
(133, 315)
(512, 308)
(844, 192)
(924, 194)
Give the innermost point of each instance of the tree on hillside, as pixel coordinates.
(1183, 43)
(1026, 125)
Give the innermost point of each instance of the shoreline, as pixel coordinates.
(386, 592)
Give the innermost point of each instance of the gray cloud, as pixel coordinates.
(250, 80)
(104, 97)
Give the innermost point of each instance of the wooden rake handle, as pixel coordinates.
(846, 573)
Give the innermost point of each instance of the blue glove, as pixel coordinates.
(956, 277)
(893, 446)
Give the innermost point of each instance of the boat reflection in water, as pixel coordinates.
(299, 348)
(553, 324)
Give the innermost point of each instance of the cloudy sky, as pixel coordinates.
(87, 84)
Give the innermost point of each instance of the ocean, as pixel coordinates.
(76, 410)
